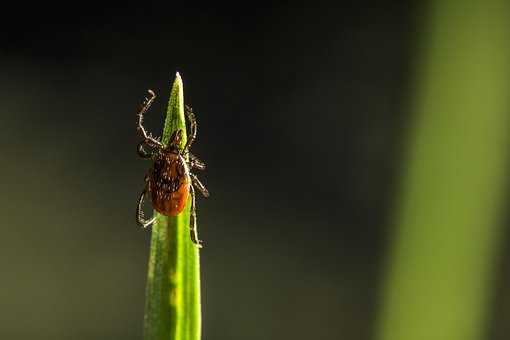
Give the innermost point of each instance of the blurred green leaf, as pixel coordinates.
(448, 223)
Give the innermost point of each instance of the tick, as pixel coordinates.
(169, 182)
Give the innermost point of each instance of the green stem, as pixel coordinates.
(172, 310)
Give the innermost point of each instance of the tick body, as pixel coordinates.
(170, 182)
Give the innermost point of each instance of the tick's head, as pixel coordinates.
(175, 140)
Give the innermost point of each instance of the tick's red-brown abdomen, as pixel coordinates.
(174, 204)
(169, 185)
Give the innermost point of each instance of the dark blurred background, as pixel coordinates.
(302, 113)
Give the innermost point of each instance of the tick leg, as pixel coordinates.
(196, 182)
(193, 128)
(139, 212)
(141, 130)
(142, 152)
(196, 163)
(193, 232)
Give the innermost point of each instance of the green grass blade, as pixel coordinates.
(172, 310)
(449, 218)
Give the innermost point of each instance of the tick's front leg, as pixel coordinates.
(140, 128)
(193, 128)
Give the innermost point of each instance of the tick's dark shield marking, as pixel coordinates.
(170, 182)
